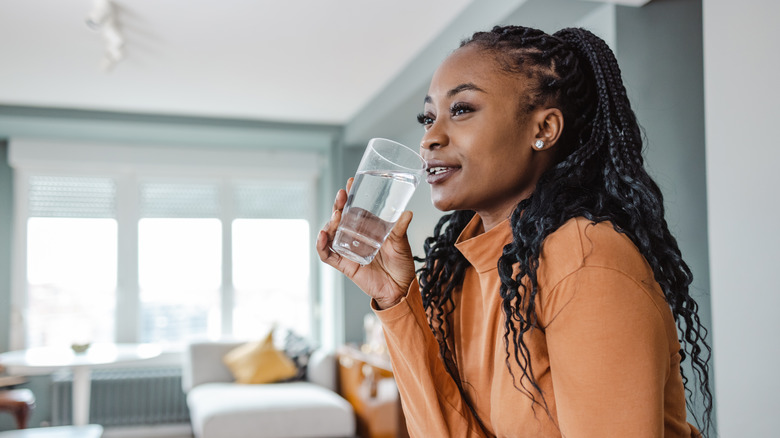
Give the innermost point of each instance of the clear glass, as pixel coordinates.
(180, 276)
(271, 276)
(385, 180)
(71, 280)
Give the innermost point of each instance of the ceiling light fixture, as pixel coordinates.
(103, 19)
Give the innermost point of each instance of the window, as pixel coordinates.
(150, 256)
(268, 283)
(71, 274)
(71, 260)
(269, 243)
(179, 276)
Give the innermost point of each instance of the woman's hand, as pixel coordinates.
(387, 278)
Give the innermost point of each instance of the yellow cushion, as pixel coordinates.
(259, 362)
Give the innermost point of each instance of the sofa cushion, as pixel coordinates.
(298, 348)
(203, 363)
(322, 369)
(259, 362)
(294, 409)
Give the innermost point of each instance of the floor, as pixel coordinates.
(166, 431)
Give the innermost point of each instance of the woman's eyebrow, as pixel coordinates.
(469, 86)
(464, 87)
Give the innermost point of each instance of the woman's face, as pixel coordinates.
(478, 144)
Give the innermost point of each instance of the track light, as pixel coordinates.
(103, 19)
(102, 11)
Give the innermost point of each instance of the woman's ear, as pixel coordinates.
(548, 124)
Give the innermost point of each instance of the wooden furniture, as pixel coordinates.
(366, 381)
(19, 402)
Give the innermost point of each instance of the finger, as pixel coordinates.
(332, 224)
(342, 195)
(399, 230)
(341, 199)
(325, 239)
(323, 248)
(332, 258)
(321, 245)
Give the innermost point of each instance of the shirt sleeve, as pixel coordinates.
(609, 355)
(430, 398)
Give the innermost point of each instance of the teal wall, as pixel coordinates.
(6, 212)
(154, 129)
(39, 385)
(6, 215)
(659, 48)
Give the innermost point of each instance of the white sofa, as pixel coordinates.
(221, 408)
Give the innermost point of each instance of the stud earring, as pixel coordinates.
(539, 144)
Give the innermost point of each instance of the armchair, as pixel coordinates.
(221, 408)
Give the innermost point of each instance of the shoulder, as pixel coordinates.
(592, 270)
(580, 243)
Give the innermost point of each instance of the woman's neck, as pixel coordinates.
(492, 218)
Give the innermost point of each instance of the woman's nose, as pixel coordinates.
(434, 137)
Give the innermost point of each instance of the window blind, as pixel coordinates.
(181, 200)
(75, 197)
(271, 199)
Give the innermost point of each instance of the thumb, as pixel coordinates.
(399, 230)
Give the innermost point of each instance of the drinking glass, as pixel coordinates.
(385, 181)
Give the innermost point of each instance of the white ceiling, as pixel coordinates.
(309, 61)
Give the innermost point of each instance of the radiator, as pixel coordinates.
(128, 397)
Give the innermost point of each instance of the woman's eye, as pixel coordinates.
(425, 119)
(459, 109)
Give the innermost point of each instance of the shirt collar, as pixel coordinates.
(483, 249)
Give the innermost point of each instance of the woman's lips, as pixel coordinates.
(438, 174)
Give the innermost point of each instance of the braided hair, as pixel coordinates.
(598, 174)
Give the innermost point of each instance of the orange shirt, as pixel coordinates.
(607, 360)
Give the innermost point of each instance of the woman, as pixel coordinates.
(547, 303)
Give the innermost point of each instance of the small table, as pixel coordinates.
(89, 431)
(44, 360)
(366, 381)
